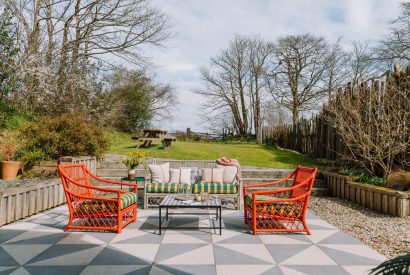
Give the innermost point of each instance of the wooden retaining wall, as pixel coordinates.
(90, 162)
(23, 201)
(380, 199)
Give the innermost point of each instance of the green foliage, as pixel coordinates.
(134, 159)
(65, 135)
(364, 178)
(8, 51)
(10, 117)
(248, 154)
(30, 158)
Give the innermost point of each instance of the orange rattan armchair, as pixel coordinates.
(281, 209)
(94, 207)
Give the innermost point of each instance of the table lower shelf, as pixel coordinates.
(218, 215)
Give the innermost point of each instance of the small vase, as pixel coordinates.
(131, 174)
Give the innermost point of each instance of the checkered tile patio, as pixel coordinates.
(39, 246)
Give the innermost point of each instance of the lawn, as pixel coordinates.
(247, 153)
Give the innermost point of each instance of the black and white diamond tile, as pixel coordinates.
(39, 245)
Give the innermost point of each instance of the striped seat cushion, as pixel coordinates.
(283, 209)
(156, 187)
(215, 188)
(94, 206)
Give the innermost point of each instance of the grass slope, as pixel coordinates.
(247, 154)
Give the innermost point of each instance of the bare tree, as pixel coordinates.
(236, 85)
(226, 82)
(395, 48)
(259, 53)
(337, 72)
(296, 81)
(80, 34)
(361, 63)
(374, 124)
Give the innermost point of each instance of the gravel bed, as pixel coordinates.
(388, 235)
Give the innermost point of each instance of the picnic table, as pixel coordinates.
(150, 136)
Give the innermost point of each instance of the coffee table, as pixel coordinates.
(169, 202)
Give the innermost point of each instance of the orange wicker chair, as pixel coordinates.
(93, 207)
(281, 209)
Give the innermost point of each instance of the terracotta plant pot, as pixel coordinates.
(9, 169)
(131, 174)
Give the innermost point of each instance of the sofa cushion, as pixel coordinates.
(94, 206)
(159, 173)
(157, 187)
(213, 175)
(284, 209)
(181, 175)
(195, 174)
(229, 173)
(215, 188)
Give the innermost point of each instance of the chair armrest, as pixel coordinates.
(280, 190)
(116, 182)
(268, 183)
(98, 195)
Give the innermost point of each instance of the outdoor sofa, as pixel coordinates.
(228, 189)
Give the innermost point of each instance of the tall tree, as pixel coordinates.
(8, 51)
(296, 81)
(80, 34)
(226, 82)
(259, 53)
(395, 47)
(132, 100)
(236, 85)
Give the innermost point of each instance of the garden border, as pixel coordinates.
(22, 201)
(380, 199)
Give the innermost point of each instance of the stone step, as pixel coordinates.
(265, 173)
(111, 165)
(320, 192)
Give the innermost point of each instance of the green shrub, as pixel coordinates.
(65, 135)
(10, 117)
(364, 178)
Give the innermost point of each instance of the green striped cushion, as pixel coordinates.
(156, 187)
(284, 209)
(127, 199)
(215, 188)
(94, 206)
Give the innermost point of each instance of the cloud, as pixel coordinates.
(203, 27)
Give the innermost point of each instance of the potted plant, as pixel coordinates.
(134, 159)
(9, 167)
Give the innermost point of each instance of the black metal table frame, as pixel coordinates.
(218, 215)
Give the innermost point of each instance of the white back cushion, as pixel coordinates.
(212, 174)
(181, 175)
(229, 173)
(159, 173)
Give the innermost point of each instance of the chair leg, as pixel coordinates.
(135, 213)
(305, 226)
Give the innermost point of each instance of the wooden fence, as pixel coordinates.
(315, 136)
(23, 201)
(309, 136)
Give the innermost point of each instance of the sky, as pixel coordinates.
(202, 28)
